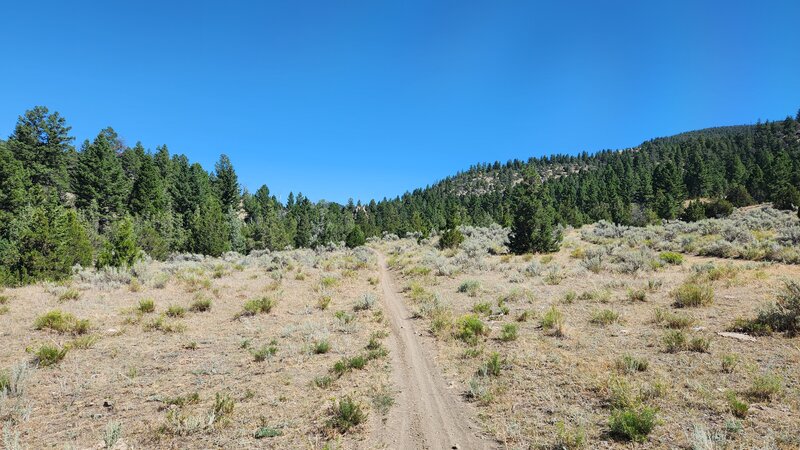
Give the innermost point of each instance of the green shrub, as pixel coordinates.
(693, 295)
(553, 321)
(784, 314)
(146, 306)
(451, 238)
(671, 258)
(176, 311)
(62, 322)
(48, 355)
(201, 304)
(604, 317)
(492, 366)
(482, 308)
(729, 362)
(699, 345)
(509, 332)
(766, 386)
(321, 346)
(258, 305)
(739, 408)
(264, 352)
(69, 294)
(267, 432)
(470, 287)
(674, 341)
(752, 327)
(346, 414)
(469, 328)
(672, 320)
(629, 364)
(160, 323)
(633, 424)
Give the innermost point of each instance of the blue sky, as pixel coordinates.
(367, 99)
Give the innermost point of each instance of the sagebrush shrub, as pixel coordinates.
(469, 328)
(346, 414)
(62, 322)
(508, 332)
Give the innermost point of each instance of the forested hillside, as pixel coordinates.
(104, 203)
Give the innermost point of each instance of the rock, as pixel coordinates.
(737, 336)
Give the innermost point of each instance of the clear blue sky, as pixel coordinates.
(367, 99)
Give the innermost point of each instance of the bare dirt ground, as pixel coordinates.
(427, 413)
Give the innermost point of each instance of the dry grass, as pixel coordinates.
(591, 313)
(163, 367)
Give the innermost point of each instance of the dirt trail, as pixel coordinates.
(427, 414)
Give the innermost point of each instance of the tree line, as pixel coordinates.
(107, 204)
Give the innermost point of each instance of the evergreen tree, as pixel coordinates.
(210, 232)
(355, 238)
(148, 196)
(100, 178)
(41, 141)
(120, 249)
(533, 228)
(226, 183)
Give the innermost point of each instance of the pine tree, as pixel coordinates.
(40, 141)
(120, 249)
(148, 196)
(226, 183)
(533, 228)
(209, 228)
(355, 238)
(100, 178)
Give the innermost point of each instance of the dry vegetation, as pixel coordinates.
(613, 341)
(281, 350)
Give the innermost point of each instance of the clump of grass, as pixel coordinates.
(524, 316)
(328, 282)
(323, 302)
(633, 423)
(62, 322)
(83, 342)
(267, 432)
(630, 364)
(48, 355)
(321, 346)
(782, 316)
(766, 386)
(470, 287)
(69, 294)
(161, 323)
(176, 311)
(738, 408)
(492, 367)
(570, 438)
(674, 341)
(672, 320)
(570, 297)
(482, 308)
(693, 295)
(345, 415)
(605, 317)
(671, 258)
(637, 295)
(469, 328)
(553, 321)
(146, 306)
(699, 345)
(729, 362)
(255, 306)
(223, 408)
(752, 327)
(3, 304)
(265, 351)
(508, 332)
(201, 303)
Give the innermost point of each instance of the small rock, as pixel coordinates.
(737, 336)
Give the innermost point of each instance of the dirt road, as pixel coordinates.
(427, 413)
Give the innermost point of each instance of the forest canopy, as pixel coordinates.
(104, 203)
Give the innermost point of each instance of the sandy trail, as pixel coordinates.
(427, 414)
